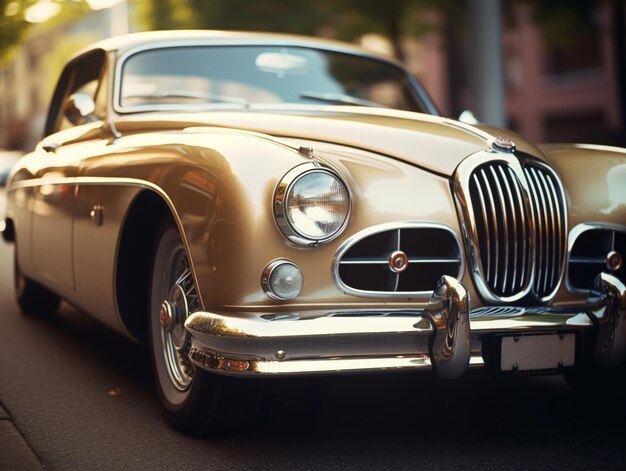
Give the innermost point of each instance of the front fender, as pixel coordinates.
(593, 178)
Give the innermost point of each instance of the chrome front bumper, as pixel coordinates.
(446, 336)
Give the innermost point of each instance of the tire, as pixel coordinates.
(33, 299)
(196, 402)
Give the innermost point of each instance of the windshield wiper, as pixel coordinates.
(340, 98)
(204, 97)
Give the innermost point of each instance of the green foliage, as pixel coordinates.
(296, 16)
(346, 19)
(14, 27)
(12, 24)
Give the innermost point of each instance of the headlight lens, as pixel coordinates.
(311, 206)
(282, 280)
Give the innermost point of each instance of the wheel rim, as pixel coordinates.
(174, 310)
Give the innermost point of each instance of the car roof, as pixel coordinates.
(127, 42)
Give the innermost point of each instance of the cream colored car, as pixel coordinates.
(257, 205)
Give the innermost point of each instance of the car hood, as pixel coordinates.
(430, 142)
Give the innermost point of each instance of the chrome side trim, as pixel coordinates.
(370, 231)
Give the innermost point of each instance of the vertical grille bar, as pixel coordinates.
(524, 246)
(486, 253)
(541, 222)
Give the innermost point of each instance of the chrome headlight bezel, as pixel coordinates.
(280, 202)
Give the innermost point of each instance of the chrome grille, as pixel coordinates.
(362, 265)
(502, 225)
(515, 221)
(548, 209)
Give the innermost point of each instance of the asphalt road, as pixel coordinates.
(80, 397)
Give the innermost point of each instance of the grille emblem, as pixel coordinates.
(398, 261)
(503, 144)
(614, 260)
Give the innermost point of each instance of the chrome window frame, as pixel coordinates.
(419, 93)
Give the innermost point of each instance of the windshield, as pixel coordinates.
(238, 76)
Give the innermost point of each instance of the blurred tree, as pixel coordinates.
(14, 24)
(261, 15)
(346, 19)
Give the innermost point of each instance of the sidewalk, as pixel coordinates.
(14, 451)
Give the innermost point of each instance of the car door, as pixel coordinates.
(58, 160)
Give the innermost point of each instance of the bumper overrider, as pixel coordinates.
(447, 337)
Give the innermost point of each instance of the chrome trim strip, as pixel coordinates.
(370, 231)
(383, 262)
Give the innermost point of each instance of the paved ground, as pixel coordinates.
(75, 396)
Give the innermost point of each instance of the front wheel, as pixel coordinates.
(196, 402)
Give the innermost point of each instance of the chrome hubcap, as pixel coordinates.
(165, 316)
(172, 315)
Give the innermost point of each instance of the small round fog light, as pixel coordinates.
(282, 280)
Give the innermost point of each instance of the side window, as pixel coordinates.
(85, 74)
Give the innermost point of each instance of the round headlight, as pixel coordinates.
(311, 205)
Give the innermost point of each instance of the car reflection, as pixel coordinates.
(7, 159)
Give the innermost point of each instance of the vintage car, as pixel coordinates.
(256, 205)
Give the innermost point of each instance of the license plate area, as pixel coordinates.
(537, 353)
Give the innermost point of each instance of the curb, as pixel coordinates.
(15, 453)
